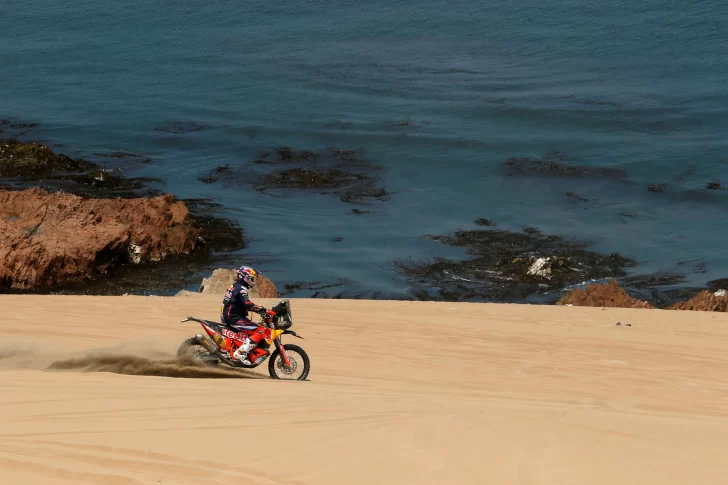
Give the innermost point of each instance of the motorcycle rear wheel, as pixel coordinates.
(300, 364)
(192, 349)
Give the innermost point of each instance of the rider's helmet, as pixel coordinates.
(246, 276)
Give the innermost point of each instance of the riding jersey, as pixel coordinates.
(236, 304)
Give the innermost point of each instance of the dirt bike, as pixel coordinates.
(219, 345)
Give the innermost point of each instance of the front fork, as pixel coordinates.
(282, 350)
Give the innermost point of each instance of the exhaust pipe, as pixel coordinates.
(208, 344)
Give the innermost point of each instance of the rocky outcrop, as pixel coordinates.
(48, 239)
(609, 294)
(704, 301)
(220, 279)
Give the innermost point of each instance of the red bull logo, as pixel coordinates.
(233, 335)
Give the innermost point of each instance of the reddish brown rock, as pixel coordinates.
(705, 301)
(609, 294)
(220, 279)
(47, 239)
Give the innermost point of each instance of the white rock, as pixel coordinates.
(719, 293)
(135, 253)
(540, 268)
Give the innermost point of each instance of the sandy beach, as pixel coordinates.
(399, 393)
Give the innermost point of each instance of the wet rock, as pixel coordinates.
(484, 222)
(33, 160)
(557, 165)
(181, 127)
(628, 214)
(609, 294)
(719, 284)
(106, 183)
(221, 279)
(705, 301)
(48, 239)
(337, 239)
(714, 186)
(509, 266)
(657, 188)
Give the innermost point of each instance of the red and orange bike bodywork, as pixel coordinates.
(221, 341)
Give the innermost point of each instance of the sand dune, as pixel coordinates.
(399, 392)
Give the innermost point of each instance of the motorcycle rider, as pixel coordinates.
(234, 312)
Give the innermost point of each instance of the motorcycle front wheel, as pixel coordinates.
(297, 371)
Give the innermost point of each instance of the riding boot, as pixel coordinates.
(241, 354)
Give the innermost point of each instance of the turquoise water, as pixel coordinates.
(639, 86)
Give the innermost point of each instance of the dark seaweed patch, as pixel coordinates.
(715, 185)
(654, 280)
(406, 123)
(335, 172)
(287, 154)
(359, 212)
(217, 233)
(181, 127)
(312, 286)
(509, 266)
(129, 156)
(30, 160)
(215, 174)
(118, 155)
(558, 165)
(576, 197)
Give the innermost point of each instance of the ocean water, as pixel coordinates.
(639, 86)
